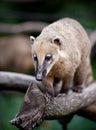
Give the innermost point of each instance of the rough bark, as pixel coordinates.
(37, 106)
(70, 103)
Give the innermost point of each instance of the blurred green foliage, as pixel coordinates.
(49, 11)
(79, 123)
(81, 11)
(94, 68)
(9, 106)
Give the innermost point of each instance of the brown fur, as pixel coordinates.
(15, 53)
(71, 56)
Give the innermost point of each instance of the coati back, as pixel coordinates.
(61, 55)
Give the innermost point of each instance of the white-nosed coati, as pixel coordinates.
(61, 53)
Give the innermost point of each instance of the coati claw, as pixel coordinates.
(78, 89)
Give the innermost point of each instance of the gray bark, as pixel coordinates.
(37, 106)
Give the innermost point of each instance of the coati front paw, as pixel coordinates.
(78, 89)
(48, 88)
(65, 90)
(49, 92)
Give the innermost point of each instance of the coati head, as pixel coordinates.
(44, 55)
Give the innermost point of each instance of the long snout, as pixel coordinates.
(40, 73)
(39, 77)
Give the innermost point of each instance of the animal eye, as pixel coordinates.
(48, 57)
(35, 57)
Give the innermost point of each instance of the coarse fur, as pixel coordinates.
(61, 55)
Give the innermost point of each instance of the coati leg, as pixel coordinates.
(67, 83)
(57, 86)
(80, 76)
(48, 86)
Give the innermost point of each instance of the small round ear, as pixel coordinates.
(32, 39)
(57, 41)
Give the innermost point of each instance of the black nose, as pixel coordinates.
(39, 77)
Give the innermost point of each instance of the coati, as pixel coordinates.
(61, 54)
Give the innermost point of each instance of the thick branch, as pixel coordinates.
(15, 81)
(54, 107)
(37, 106)
(71, 102)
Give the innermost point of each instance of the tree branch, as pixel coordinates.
(36, 105)
(15, 81)
(71, 102)
(22, 27)
(88, 112)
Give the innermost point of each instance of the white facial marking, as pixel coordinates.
(32, 39)
(34, 57)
